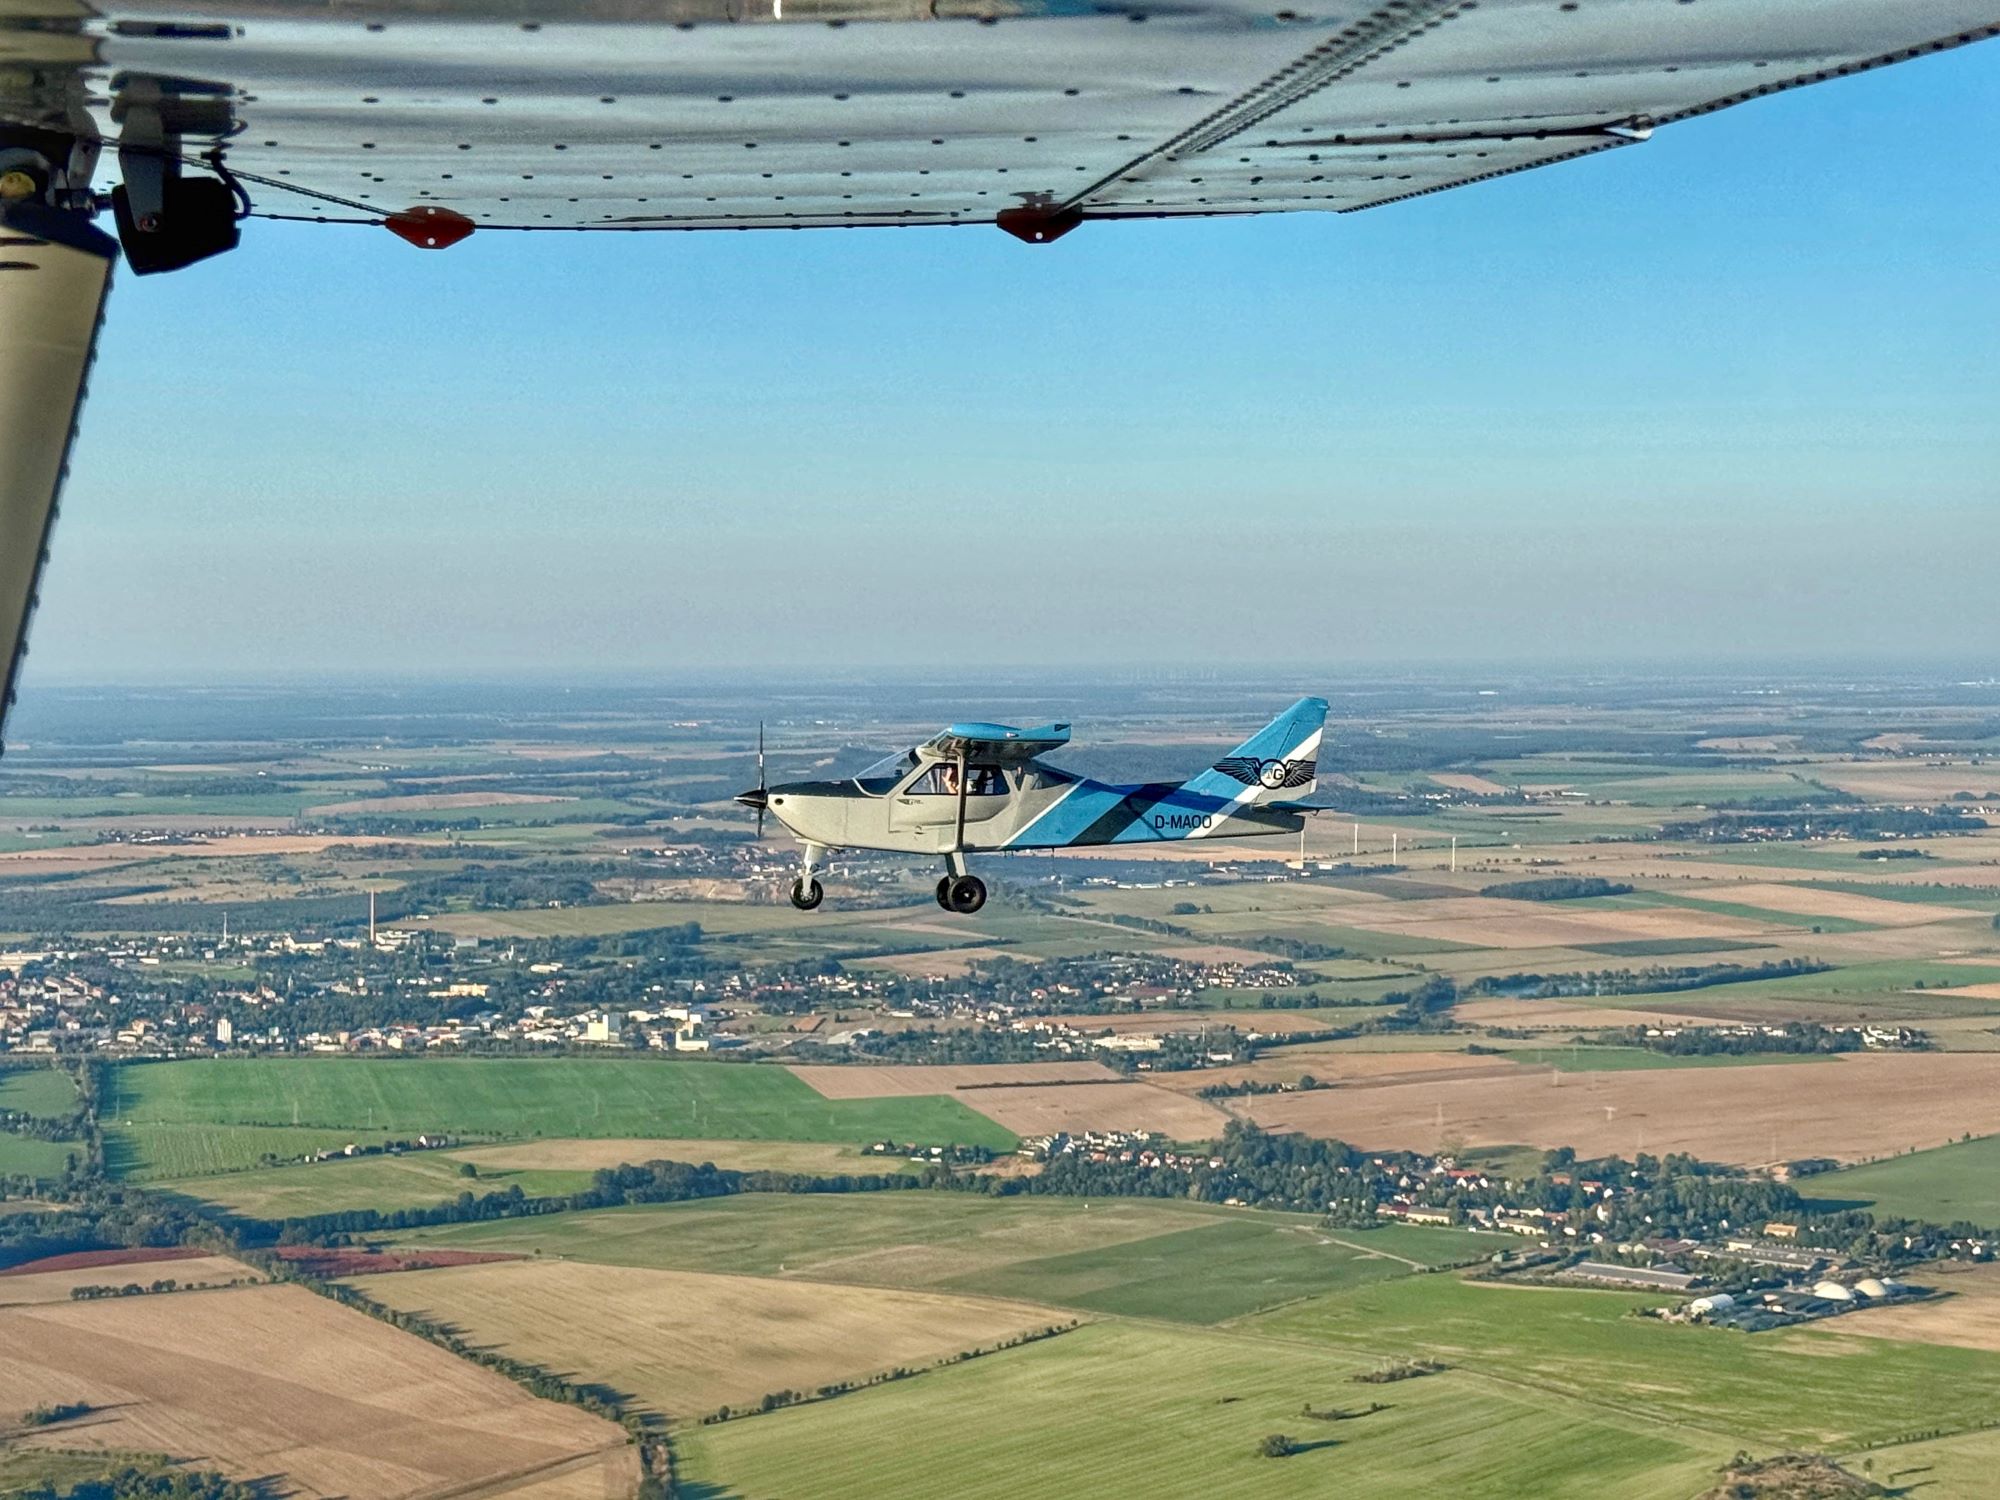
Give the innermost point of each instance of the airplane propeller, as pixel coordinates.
(759, 796)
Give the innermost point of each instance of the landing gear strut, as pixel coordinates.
(55, 270)
(807, 892)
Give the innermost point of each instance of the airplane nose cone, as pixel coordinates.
(756, 797)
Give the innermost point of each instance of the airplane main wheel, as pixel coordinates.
(807, 894)
(967, 894)
(944, 892)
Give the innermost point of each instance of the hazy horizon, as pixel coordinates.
(1727, 397)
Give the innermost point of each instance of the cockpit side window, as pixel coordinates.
(887, 773)
(1035, 777)
(941, 780)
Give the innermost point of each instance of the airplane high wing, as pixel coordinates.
(442, 117)
(997, 742)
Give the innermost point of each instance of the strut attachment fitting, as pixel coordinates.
(1035, 224)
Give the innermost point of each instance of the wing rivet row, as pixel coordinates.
(429, 227)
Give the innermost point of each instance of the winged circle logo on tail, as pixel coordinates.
(1272, 775)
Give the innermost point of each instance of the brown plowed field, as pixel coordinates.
(889, 1082)
(276, 1383)
(197, 1270)
(1850, 1108)
(1076, 1107)
(686, 1342)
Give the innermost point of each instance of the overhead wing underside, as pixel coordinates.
(788, 113)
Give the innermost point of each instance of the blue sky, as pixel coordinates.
(1726, 396)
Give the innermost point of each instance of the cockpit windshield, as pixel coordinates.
(887, 773)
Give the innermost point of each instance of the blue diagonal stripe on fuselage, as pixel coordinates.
(1098, 814)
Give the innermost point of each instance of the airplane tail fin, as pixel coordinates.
(1278, 762)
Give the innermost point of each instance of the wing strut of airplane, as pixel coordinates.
(441, 118)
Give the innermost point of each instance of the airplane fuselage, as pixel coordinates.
(1013, 807)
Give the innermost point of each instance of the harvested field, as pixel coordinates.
(20, 1287)
(891, 1082)
(742, 1156)
(1212, 953)
(436, 802)
(1972, 992)
(1157, 1022)
(1847, 905)
(347, 1261)
(686, 1342)
(87, 1260)
(1075, 1107)
(273, 1383)
(1460, 781)
(1850, 1108)
(1566, 1015)
(1343, 1067)
(952, 963)
(220, 846)
(1900, 782)
(1489, 922)
(1968, 1318)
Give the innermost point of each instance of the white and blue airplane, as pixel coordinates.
(983, 788)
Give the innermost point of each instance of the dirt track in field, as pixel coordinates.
(275, 1383)
(1849, 1108)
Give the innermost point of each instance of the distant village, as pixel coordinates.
(143, 996)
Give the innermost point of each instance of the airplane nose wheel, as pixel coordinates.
(964, 895)
(807, 894)
(944, 892)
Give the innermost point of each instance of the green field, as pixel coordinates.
(417, 1180)
(1749, 913)
(1972, 897)
(1792, 1388)
(497, 1097)
(1139, 1410)
(1952, 1183)
(37, 1091)
(1224, 1269)
(423, 1179)
(1179, 1261)
(154, 1151)
(1890, 988)
(24, 1156)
